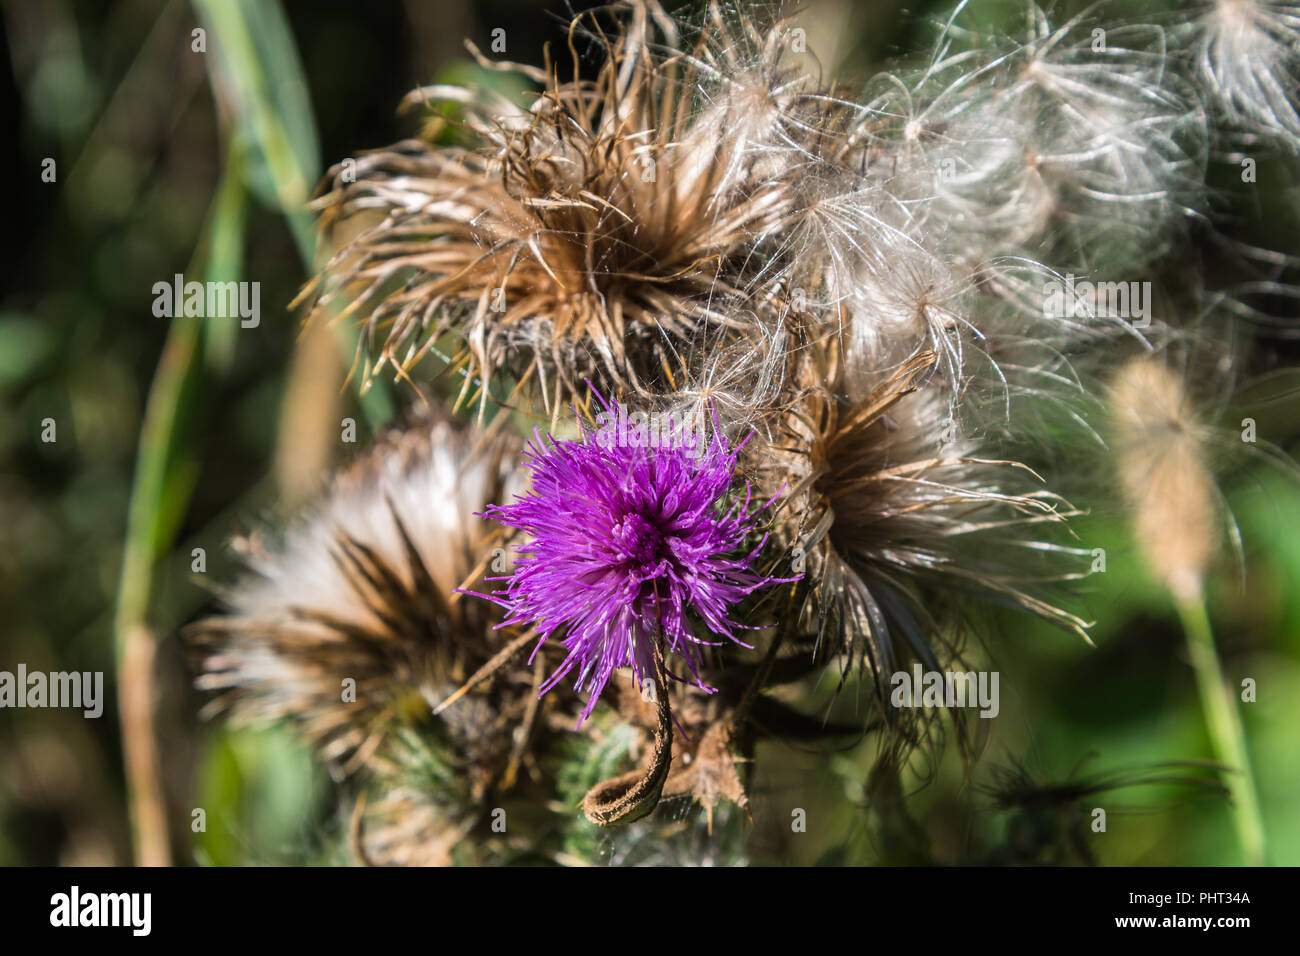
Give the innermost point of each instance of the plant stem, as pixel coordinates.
(163, 449)
(135, 641)
(1224, 723)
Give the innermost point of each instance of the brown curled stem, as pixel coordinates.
(632, 796)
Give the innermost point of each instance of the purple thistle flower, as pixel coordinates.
(627, 545)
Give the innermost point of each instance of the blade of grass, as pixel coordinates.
(251, 44)
(159, 455)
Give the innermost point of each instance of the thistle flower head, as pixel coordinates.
(630, 545)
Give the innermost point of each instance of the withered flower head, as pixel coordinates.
(891, 509)
(349, 629)
(601, 230)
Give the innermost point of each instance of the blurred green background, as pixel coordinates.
(173, 435)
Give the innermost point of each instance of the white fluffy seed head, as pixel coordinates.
(361, 588)
(1247, 53)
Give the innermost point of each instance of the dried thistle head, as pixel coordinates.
(889, 505)
(360, 589)
(350, 630)
(1159, 448)
(602, 230)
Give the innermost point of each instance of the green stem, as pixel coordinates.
(256, 114)
(161, 454)
(1226, 733)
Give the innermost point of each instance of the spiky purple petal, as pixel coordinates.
(627, 545)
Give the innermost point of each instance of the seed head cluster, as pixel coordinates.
(844, 289)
